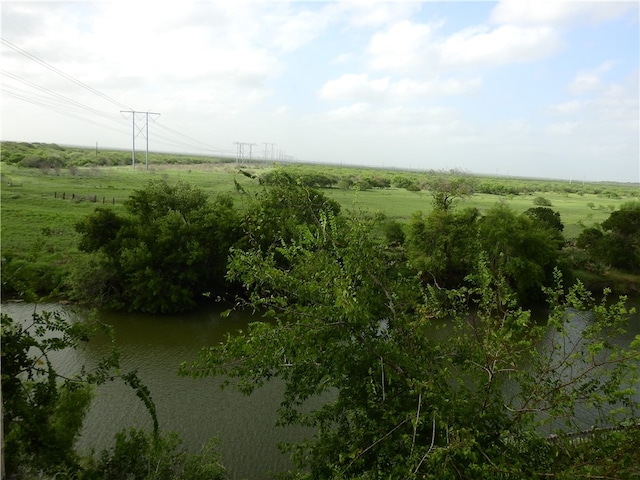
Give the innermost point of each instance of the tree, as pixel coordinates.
(169, 251)
(446, 189)
(407, 383)
(546, 217)
(443, 245)
(282, 210)
(616, 241)
(622, 237)
(518, 249)
(41, 418)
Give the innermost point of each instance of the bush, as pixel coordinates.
(142, 456)
(542, 202)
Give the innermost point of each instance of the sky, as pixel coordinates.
(545, 89)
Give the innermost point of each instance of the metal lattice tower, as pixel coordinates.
(140, 130)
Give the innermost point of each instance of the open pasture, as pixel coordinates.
(36, 216)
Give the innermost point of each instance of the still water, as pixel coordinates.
(197, 410)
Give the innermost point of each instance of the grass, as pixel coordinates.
(33, 207)
(40, 206)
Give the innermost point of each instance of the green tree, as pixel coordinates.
(519, 249)
(282, 210)
(546, 217)
(446, 189)
(407, 383)
(622, 237)
(41, 418)
(443, 245)
(169, 251)
(616, 241)
(137, 455)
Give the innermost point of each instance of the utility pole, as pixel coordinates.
(239, 152)
(137, 131)
(268, 150)
(251, 145)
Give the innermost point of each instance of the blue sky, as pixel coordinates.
(517, 87)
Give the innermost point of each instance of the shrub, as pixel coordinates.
(139, 455)
(542, 202)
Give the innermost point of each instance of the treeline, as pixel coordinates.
(171, 248)
(367, 179)
(52, 157)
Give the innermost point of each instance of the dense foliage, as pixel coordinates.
(167, 253)
(445, 244)
(617, 240)
(41, 417)
(413, 377)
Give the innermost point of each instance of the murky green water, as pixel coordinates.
(197, 410)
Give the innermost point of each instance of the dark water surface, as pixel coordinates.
(197, 410)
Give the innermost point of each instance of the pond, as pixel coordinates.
(197, 410)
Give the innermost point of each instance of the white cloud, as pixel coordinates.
(360, 86)
(557, 12)
(292, 31)
(351, 112)
(482, 46)
(402, 46)
(562, 128)
(367, 13)
(565, 108)
(408, 46)
(589, 80)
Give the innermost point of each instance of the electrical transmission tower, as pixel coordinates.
(268, 151)
(140, 130)
(251, 145)
(240, 153)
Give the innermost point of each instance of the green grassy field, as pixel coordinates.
(46, 189)
(34, 212)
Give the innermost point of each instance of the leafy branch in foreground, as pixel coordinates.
(43, 409)
(416, 383)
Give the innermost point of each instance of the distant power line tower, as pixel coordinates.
(240, 152)
(251, 145)
(269, 151)
(139, 130)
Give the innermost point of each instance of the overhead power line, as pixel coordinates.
(61, 104)
(55, 109)
(30, 56)
(63, 98)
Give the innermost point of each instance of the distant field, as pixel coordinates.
(35, 217)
